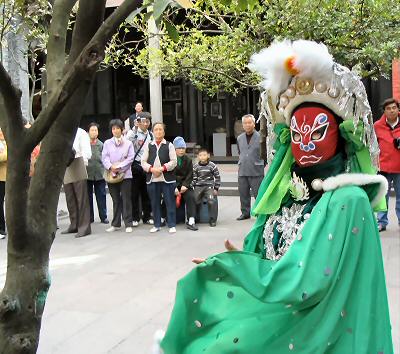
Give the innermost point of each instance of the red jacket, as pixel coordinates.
(389, 157)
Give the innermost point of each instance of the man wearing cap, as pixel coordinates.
(140, 138)
(251, 167)
(184, 177)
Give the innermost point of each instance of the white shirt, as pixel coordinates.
(394, 124)
(81, 145)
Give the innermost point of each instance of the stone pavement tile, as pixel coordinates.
(110, 329)
(394, 296)
(63, 325)
(110, 292)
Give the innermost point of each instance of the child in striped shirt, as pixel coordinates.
(206, 182)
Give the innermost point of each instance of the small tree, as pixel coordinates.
(211, 45)
(31, 204)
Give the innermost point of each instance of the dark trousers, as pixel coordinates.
(101, 195)
(77, 198)
(2, 194)
(140, 197)
(188, 197)
(122, 204)
(167, 190)
(247, 183)
(208, 192)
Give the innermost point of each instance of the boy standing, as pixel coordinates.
(206, 182)
(184, 179)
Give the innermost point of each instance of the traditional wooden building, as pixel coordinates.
(187, 111)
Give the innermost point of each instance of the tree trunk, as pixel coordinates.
(31, 204)
(22, 301)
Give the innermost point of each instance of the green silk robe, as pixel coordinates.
(327, 294)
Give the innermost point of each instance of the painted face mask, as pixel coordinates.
(314, 133)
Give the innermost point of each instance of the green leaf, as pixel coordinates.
(242, 5)
(147, 16)
(172, 31)
(186, 4)
(132, 16)
(159, 7)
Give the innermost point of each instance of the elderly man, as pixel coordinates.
(251, 167)
(75, 186)
(387, 130)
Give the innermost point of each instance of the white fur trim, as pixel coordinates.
(357, 179)
(158, 336)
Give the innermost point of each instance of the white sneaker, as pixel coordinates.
(172, 230)
(135, 223)
(112, 229)
(2, 237)
(128, 229)
(151, 222)
(154, 229)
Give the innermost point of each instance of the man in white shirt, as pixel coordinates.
(75, 186)
(130, 123)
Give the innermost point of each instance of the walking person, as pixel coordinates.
(95, 171)
(75, 186)
(387, 130)
(206, 182)
(3, 174)
(140, 138)
(184, 179)
(117, 158)
(159, 161)
(251, 167)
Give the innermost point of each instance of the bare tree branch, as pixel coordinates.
(56, 45)
(84, 67)
(85, 26)
(12, 103)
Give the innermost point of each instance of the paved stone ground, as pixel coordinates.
(111, 292)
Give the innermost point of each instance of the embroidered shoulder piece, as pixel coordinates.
(288, 224)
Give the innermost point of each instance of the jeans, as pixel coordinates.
(155, 190)
(100, 192)
(395, 179)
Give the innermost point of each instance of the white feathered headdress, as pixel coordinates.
(304, 71)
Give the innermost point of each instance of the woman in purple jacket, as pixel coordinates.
(117, 157)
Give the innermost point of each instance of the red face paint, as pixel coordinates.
(314, 133)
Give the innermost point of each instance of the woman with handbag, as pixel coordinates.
(117, 158)
(159, 161)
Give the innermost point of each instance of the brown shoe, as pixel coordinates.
(82, 235)
(69, 231)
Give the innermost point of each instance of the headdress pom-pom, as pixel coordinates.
(290, 65)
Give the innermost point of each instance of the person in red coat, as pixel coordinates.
(387, 130)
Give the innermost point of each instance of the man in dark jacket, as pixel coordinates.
(251, 167)
(184, 177)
